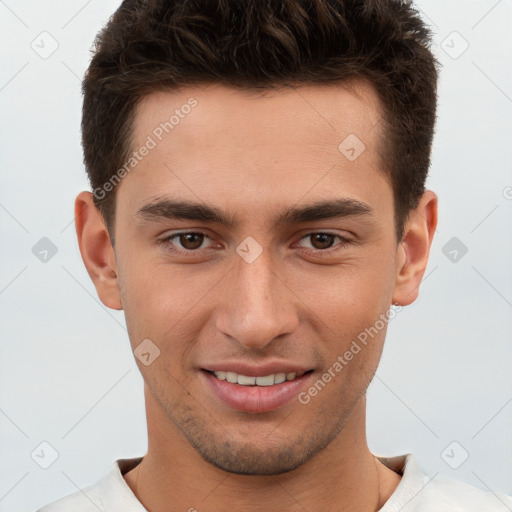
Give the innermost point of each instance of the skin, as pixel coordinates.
(254, 155)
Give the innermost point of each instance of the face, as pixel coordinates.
(274, 282)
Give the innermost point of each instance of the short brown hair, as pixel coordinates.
(150, 45)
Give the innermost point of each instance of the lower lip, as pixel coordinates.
(255, 398)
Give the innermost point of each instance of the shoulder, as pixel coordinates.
(418, 492)
(107, 494)
(457, 496)
(85, 500)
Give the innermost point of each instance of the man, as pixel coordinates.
(259, 211)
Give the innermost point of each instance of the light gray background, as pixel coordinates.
(68, 376)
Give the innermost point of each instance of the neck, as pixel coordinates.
(344, 476)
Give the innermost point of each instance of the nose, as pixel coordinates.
(258, 305)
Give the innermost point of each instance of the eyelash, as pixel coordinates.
(344, 242)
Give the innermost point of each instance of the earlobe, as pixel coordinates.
(96, 249)
(414, 249)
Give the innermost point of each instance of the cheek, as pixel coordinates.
(353, 305)
(163, 304)
(147, 300)
(352, 297)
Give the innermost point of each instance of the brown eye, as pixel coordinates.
(322, 240)
(185, 242)
(191, 241)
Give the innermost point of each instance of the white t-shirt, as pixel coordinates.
(416, 492)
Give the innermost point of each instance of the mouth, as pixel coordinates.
(254, 394)
(264, 380)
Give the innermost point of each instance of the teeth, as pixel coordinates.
(244, 380)
(268, 380)
(232, 377)
(281, 377)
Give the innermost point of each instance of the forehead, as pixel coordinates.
(272, 146)
(252, 117)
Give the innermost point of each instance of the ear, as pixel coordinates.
(96, 249)
(414, 249)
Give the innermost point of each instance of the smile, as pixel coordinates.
(245, 380)
(255, 393)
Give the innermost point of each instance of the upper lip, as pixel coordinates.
(260, 370)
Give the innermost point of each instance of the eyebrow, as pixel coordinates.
(168, 209)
